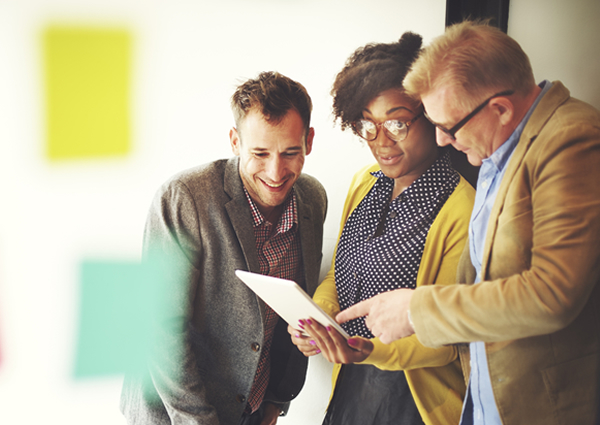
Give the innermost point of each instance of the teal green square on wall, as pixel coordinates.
(125, 314)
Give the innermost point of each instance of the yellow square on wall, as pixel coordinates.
(87, 73)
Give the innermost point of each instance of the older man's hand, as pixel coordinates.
(387, 314)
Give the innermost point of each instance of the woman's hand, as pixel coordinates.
(334, 346)
(303, 342)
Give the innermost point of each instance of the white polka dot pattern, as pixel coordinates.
(366, 265)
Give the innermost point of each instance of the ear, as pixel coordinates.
(309, 140)
(234, 139)
(504, 108)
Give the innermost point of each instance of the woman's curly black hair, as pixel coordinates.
(371, 70)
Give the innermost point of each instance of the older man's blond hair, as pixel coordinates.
(474, 58)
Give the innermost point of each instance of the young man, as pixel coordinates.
(256, 212)
(531, 306)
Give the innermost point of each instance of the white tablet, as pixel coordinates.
(287, 299)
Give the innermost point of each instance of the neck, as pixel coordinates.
(403, 182)
(272, 214)
(522, 105)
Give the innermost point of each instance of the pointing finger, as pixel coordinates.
(357, 310)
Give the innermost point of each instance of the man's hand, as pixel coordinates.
(387, 314)
(270, 414)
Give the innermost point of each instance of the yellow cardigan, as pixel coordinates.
(434, 375)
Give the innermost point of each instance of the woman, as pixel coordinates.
(404, 224)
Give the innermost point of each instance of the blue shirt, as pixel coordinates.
(480, 407)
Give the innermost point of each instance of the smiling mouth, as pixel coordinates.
(274, 185)
(390, 158)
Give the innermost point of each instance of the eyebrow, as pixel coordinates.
(391, 110)
(436, 124)
(291, 149)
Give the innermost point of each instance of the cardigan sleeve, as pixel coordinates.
(326, 295)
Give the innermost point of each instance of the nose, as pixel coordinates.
(275, 168)
(383, 140)
(442, 138)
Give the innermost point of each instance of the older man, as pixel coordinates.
(532, 316)
(255, 211)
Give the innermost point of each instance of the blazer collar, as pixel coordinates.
(239, 213)
(310, 256)
(556, 96)
(232, 181)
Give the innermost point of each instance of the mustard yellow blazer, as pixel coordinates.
(538, 305)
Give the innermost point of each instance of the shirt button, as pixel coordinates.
(240, 398)
(255, 346)
(393, 214)
(355, 275)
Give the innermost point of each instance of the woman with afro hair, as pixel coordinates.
(404, 224)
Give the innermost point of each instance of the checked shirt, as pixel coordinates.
(278, 255)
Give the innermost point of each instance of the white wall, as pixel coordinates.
(562, 39)
(189, 55)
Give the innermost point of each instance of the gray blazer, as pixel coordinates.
(202, 218)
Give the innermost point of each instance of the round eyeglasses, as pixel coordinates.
(396, 130)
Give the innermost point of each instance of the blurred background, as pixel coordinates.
(181, 61)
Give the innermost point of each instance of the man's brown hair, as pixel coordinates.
(274, 95)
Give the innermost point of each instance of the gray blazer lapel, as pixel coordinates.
(307, 240)
(239, 214)
(241, 219)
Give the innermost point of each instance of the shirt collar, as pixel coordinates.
(428, 185)
(289, 216)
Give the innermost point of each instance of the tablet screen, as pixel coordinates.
(287, 299)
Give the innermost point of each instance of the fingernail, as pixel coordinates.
(297, 335)
(352, 342)
(309, 321)
(318, 351)
(312, 342)
(329, 328)
(301, 321)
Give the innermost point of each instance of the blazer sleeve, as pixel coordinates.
(544, 261)
(172, 233)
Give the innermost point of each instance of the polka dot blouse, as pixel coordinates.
(382, 243)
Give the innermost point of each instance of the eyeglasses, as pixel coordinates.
(451, 133)
(396, 130)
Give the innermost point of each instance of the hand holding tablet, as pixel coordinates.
(287, 299)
